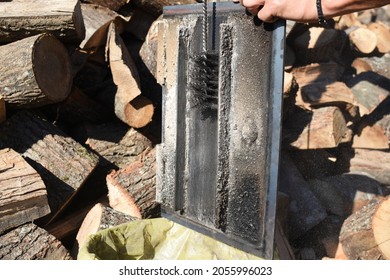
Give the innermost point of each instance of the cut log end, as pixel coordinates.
(52, 68)
(381, 225)
(139, 112)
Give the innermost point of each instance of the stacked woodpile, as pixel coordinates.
(335, 156)
(80, 115)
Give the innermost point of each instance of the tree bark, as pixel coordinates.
(35, 71)
(135, 186)
(365, 234)
(98, 218)
(24, 18)
(63, 163)
(23, 193)
(29, 242)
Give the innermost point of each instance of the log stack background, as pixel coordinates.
(80, 116)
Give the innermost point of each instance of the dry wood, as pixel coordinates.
(134, 188)
(323, 94)
(96, 20)
(24, 18)
(372, 136)
(360, 65)
(365, 234)
(382, 33)
(63, 163)
(345, 194)
(23, 193)
(116, 142)
(318, 44)
(114, 5)
(98, 218)
(29, 242)
(305, 210)
(370, 90)
(323, 128)
(372, 163)
(3, 111)
(348, 21)
(131, 107)
(35, 71)
(363, 40)
(155, 7)
(76, 108)
(284, 249)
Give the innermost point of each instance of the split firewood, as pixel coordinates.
(114, 5)
(23, 194)
(347, 21)
(305, 210)
(3, 111)
(116, 142)
(132, 190)
(289, 58)
(380, 65)
(98, 218)
(96, 20)
(30, 242)
(65, 227)
(360, 65)
(370, 90)
(382, 33)
(24, 18)
(318, 44)
(372, 163)
(284, 249)
(373, 136)
(345, 194)
(155, 7)
(365, 234)
(76, 108)
(363, 40)
(35, 71)
(131, 107)
(322, 128)
(319, 94)
(63, 163)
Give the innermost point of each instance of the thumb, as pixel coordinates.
(266, 15)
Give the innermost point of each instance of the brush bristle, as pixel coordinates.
(204, 80)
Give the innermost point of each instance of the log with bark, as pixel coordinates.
(363, 39)
(323, 128)
(3, 111)
(30, 242)
(132, 190)
(35, 71)
(114, 5)
(23, 193)
(98, 218)
(63, 163)
(365, 234)
(24, 18)
(131, 107)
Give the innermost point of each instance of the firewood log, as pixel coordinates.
(117, 143)
(155, 7)
(30, 242)
(131, 107)
(305, 210)
(35, 71)
(24, 18)
(23, 193)
(318, 44)
(360, 65)
(114, 5)
(133, 189)
(63, 163)
(382, 33)
(96, 20)
(372, 163)
(323, 128)
(98, 218)
(365, 234)
(363, 40)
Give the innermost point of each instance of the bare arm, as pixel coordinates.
(306, 10)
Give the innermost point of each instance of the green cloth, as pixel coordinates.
(156, 239)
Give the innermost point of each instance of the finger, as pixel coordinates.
(265, 15)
